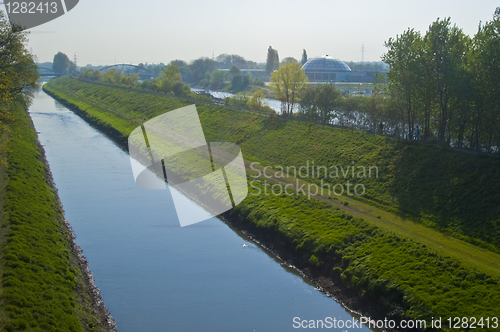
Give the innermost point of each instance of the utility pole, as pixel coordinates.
(76, 67)
(363, 53)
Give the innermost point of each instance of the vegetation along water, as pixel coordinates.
(397, 250)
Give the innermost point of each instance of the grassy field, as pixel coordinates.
(401, 243)
(42, 287)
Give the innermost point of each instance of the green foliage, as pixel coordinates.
(288, 60)
(273, 60)
(61, 64)
(379, 265)
(18, 71)
(38, 280)
(319, 102)
(169, 81)
(304, 57)
(445, 85)
(217, 80)
(288, 82)
(257, 100)
(453, 192)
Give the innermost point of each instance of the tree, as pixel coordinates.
(112, 76)
(273, 60)
(257, 100)
(225, 61)
(485, 61)
(234, 71)
(178, 63)
(199, 68)
(237, 83)
(18, 72)
(327, 98)
(403, 58)
(319, 102)
(288, 82)
(168, 78)
(304, 57)
(217, 80)
(62, 64)
(288, 60)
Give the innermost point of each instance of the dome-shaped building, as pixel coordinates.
(326, 69)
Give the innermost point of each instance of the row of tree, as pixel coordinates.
(168, 81)
(273, 60)
(442, 86)
(446, 83)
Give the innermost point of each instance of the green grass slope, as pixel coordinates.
(42, 287)
(453, 192)
(442, 189)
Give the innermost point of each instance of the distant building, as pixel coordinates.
(328, 69)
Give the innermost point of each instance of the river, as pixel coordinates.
(153, 274)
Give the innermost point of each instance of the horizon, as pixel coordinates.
(105, 33)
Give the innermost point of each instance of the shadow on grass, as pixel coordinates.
(454, 192)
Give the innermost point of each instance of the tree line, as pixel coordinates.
(169, 81)
(445, 83)
(441, 86)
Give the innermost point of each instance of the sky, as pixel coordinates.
(105, 32)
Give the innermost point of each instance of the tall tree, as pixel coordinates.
(61, 63)
(273, 60)
(403, 58)
(288, 82)
(304, 57)
(486, 70)
(437, 42)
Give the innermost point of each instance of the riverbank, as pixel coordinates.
(46, 281)
(392, 274)
(325, 281)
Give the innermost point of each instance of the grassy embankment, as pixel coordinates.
(42, 286)
(381, 256)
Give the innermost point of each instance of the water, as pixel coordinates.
(154, 275)
(273, 103)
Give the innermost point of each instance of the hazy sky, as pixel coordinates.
(100, 31)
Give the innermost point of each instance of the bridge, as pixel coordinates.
(42, 71)
(142, 72)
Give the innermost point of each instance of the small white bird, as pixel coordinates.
(245, 245)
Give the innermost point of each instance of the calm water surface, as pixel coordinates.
(153, 274)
